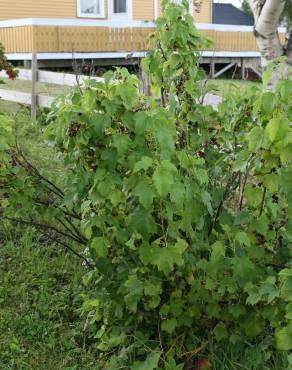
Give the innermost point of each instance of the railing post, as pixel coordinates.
(212, 68)
(34, 79)
(242, 62)
(146, 86)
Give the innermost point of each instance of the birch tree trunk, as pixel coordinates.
(267, 15)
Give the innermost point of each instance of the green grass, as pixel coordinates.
(40, 285)
(40, 299)
(224, 86)
(8, 107)
(42, 88)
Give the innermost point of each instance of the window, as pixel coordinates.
(120, 6)
(90, 8)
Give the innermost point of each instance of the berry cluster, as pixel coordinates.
(6, 66)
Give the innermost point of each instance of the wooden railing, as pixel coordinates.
(57, 36)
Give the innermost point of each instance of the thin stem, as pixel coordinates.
(263, 201)
(45, 227)
(67, 246)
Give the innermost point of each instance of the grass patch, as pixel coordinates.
(8, 107)
(40, 299)
(42, 88)
(223, 87)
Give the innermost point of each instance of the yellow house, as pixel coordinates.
(103, 29)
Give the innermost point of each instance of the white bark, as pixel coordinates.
(267, 15)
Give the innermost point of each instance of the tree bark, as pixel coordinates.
(267, 15)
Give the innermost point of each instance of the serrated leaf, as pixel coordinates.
(144, 164)
(121, 143)
(177, 194)
(242, 266)
(151, 362)
(169, 325)
(218, 251)
(284, 338)
(143, 222)
(243, 238)
(100, 245)
(135, 292)
(163, 177)
(164, 258)
(145, 193)
(277, 128)
(220, 331)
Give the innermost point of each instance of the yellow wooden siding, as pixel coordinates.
(102, 39)
(19, 39)
(90, 39)
(15, 9)
(143, 10)
(203, 12)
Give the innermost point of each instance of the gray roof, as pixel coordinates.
(229, 14)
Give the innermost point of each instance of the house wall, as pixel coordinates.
(142, 9)
(13, 9)
(203, 12)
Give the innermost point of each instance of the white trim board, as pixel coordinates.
(75, 23)
(56, 78)
(123, 55)
(25, 98)
(70, 56)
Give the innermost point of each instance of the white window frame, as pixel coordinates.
(85, 15)
(120, 16)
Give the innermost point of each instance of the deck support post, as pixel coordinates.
(242, 64)
(27, 64)
(226, 68)
(212, 68)
(146, 87)
(34, 79)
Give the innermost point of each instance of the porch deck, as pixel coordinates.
(56, 38)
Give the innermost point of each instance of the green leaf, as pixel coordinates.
(144, 164)
(163, 177)
(253, 196)
(143, 222)
(284, 338)
(220, 331)
(256, 137)
(128, 94)
(268, 102)
(206, 198)
(142, 121)
(277, 128)
(145, 193)
(177, 194)
(151, 362)
(164, 258)
(122, 143)
(243, 267)
(261, 225)
(218, 251)
(100, 245)
(169, 325)
(135, 292)
(243, 238)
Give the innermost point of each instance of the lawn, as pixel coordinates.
(40, 284)
(224, 86)
(42, 88)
